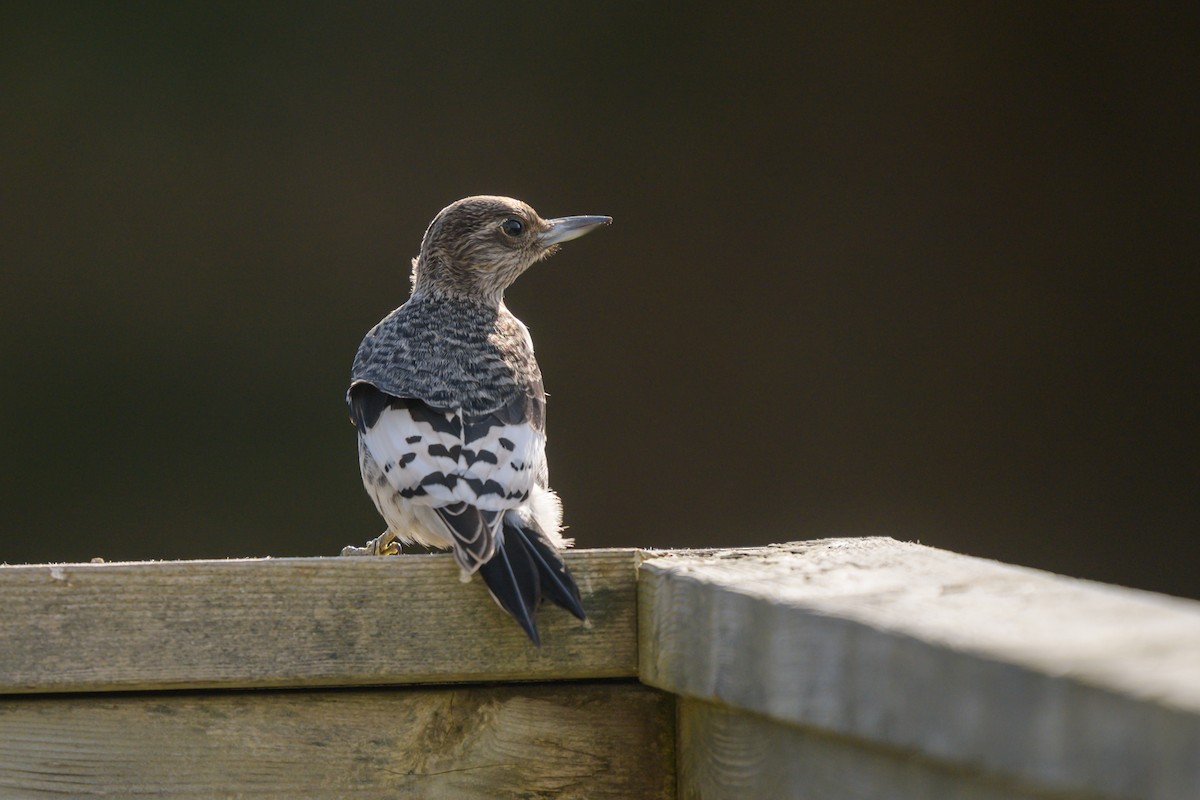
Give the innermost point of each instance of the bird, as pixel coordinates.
(450, 410)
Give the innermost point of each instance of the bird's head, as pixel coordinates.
(477, 246)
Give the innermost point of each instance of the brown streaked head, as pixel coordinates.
(476, 247)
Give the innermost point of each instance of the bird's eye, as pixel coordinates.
(512, 227)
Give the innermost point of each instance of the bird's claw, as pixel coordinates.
(385, 544)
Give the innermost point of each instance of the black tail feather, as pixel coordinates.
(512, 578)
(556, 581)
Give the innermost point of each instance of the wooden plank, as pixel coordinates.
(726, 754)
(299, 622)
(574, 740)
(1051, 682)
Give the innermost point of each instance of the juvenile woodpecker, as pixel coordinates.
(451, 415)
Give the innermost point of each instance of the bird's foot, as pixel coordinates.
(385, 544)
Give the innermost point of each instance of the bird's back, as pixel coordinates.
(452, 355)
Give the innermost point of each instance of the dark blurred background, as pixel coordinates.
(925, 271)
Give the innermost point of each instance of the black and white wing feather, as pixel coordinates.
(468, 471)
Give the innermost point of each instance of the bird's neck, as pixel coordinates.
(467, 303)
(440, 283)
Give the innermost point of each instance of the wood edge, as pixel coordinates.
(425, 681)
(571, 554)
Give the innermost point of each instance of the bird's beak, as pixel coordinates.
(564, 229)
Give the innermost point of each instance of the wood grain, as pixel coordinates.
(1062, 684)
(562, 741)
(726, 754)
(299, 622)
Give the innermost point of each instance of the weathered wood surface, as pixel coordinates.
(575, 740)
(725, 754)
(299, 622)
(1051, 682)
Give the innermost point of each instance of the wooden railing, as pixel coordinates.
(844, 668)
